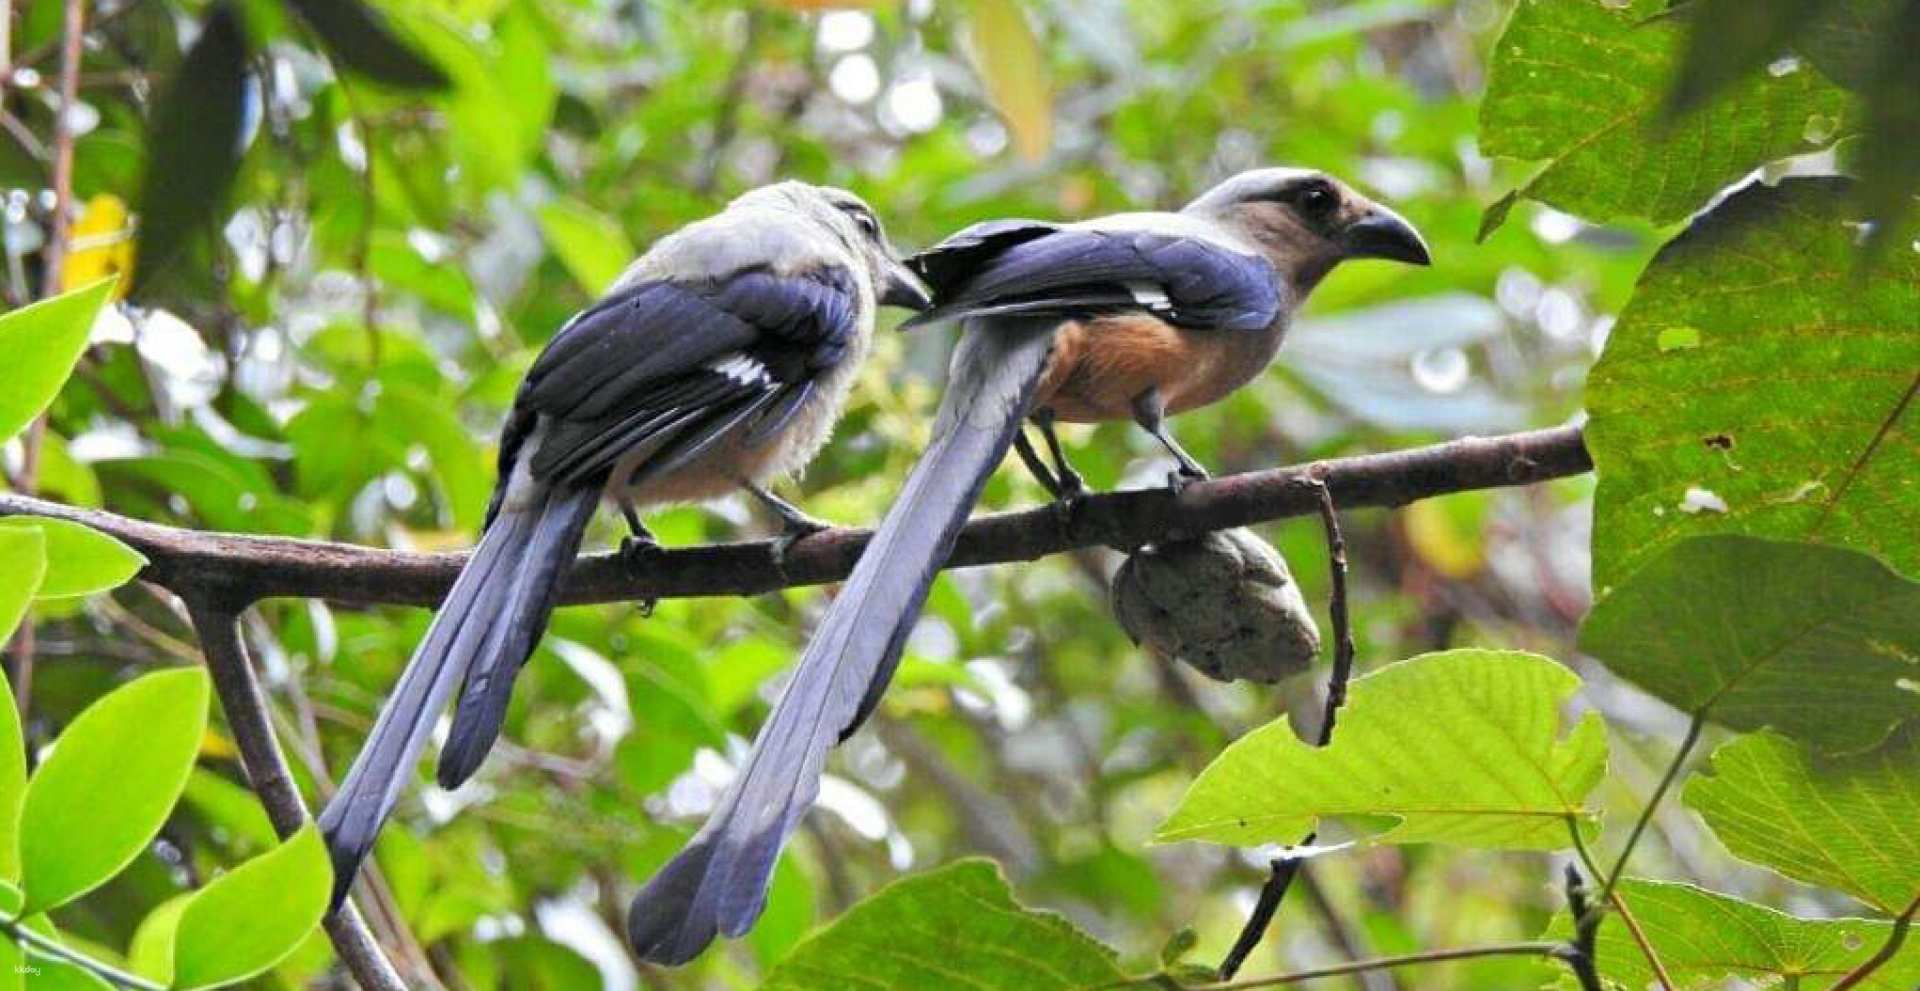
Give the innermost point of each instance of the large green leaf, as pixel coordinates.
(250, 918)
(359, 37)
(38, 345)
(1849, 823)
(1461, 747)
(1708, 941)
(1583, 85)
(105, 790)
(589, 243)
(196, 136)
(1814, 641)
(22, 561)
(1760, 382)
(953, 929)
(79, 559)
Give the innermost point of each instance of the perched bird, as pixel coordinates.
(1129, 316)
(719, 361)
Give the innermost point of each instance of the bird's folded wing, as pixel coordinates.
(1011, 267)
(669, 367)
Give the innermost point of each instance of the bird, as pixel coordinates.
(717, 362)
(1130, 316)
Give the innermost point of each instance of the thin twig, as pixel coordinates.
(216, 621)
(17, 929)
(1284, 870)
(1580, 957)
(1619, 905)
(246, 569)
(1659, 792)
(73, 24)
(1887, 950)
(1532, 949)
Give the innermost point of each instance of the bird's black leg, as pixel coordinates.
(1031, 458)
(1150, 412)
(639, 541)
(795, 524)
(1072, 487)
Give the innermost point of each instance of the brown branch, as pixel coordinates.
(1283, 871)
(242, 569)
(216, 621)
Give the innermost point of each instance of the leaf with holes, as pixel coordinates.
(952, 929)
(1708, 940)
(1760, 382)
(1811, 640)
(1462, 747)
(1848, 823)
(1584, 87)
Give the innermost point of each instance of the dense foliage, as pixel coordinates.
(356, 225)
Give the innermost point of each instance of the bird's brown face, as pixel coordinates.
(1307, 222)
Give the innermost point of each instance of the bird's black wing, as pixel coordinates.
(667, 368)
(1026, 267)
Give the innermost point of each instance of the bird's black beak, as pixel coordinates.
(1381, 233)
(904, 289)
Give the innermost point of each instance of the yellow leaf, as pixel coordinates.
(100, 245)
(1448, 533)
(1014, 71)
(214, 746)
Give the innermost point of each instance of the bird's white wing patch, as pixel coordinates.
(743, 369)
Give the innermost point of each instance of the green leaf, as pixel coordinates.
(1730, 39)
(1708, 940)
(195, 138)
(105, 790)
(953, 929)
(250, 918)
(1461, 747)
(1811, 640)
(1847, 823)
(589, 243)
(150, 953)
(360, 38)
(1584, 87)
(22, 561)
(226, 806)
(80, 560)
(1790, 414)
(1014, 71)
(39, 344)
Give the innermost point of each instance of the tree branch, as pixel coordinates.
(215, 620)
(1284, 871)
(241, 569)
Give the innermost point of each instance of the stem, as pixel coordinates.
(73, 25)
(1533, 949)
(1646, 814)
(1284, 871)
(17, 929)
(1887, 950)
(1619, 905)
(245, 704)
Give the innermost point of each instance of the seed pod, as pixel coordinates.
(1225, 604)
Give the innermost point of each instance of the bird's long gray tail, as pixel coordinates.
(483, 633)
(718, 883)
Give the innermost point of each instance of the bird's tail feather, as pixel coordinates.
(489, 622)
(718, 883)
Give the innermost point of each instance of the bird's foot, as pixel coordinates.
(1183, 476)
(797, 528)
(635, 550)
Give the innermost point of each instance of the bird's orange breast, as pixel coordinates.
(1099, 366)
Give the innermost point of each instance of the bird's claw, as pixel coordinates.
(635, 550)
(794, 532)
(1183, 476)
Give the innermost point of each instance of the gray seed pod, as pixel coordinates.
(1225, 604)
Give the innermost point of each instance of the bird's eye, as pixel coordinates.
(865, 220)
(1316, 199)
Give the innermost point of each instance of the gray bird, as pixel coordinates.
(719, 361)
(1131, 316)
